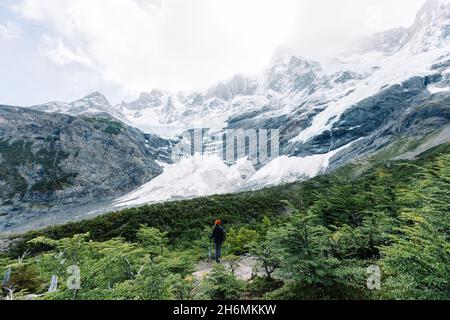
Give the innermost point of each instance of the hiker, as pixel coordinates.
(218, 236)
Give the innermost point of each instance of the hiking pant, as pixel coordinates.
(217, 251)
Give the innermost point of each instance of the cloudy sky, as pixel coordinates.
(65, 49)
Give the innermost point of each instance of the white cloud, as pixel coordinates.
(324, 26)
(9, 31)
(187, 44)
(61, 54)
(175, 44)
(4, 33)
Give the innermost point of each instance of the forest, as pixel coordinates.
(377, 230)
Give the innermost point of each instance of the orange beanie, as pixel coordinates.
(218, 222)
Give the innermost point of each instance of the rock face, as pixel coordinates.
(402, 110)
(50, 161)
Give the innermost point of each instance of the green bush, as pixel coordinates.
(238, 241)
(221, 284)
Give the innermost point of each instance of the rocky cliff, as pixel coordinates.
(49, 162)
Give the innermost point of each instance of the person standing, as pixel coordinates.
(218, 236)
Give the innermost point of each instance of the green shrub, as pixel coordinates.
(221, 284)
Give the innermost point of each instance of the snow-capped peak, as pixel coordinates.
(151, 99)
(292, 86)
(430, 31)
(290, 73)
(92, 103)
(282, 55)
(239, 85)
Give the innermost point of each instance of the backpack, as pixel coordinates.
(219, 234)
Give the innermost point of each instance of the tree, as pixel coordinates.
(153, 240)
(221, 284)
(101, 265)
(232, 261)
(179, 262)
(238, 240)
(182, 288)
(305, 252)
(417, 265)
(267, 256)
(154, 283)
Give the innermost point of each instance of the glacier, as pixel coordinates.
(204, 175)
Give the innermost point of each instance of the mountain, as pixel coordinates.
(430, 31)
(169, 114)
(53, 165)
(91, 104)
(316, 92)
(386, 100)
(302, 96)
(388, 97)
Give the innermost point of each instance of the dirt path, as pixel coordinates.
(247, 267)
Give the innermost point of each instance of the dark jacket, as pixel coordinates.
(218, 235)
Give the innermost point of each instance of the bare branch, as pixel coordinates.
(24, 255)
